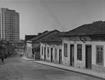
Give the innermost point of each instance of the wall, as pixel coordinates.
(96, 67)
(28, 50)
(42, 56)
(48, 58)
(78, 63)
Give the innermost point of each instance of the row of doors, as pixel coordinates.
(87, 57)
(88, 52)
(60, 55)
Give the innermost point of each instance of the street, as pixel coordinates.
(16, 68)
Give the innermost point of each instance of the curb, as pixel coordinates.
(63, 67)
(81, 72)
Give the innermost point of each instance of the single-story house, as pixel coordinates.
(28, 46)
(36, 42)
(84, 47)
(51, 48)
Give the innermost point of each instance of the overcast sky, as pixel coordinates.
(40, 15)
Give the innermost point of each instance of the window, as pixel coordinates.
(48, 52)
(65, 49)
(99, 55)
(79, 51)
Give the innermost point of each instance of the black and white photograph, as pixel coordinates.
(52, 39)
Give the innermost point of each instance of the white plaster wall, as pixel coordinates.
(48, 58)
(93, 54)
(94, 51)
(80, 63)
(42, 56)
(54, 47)
(58, 47)
(75, 54)
(40, 51)
(77, 63)
(29, 50)
(66, 60)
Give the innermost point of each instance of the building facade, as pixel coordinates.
(9, 25)
(51, 48)
(84, 47)
(28, 46)
(51, 52)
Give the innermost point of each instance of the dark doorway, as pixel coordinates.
(60, 56)
(44, 53)
(71, 55)
(88, 56)
(51, 54)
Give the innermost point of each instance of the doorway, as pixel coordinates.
(88, 56)
(44, 53)
(60, 56)
(51, 54)
(71, 55)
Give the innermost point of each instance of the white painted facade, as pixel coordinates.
(47, 56)
(28, 50)
(82, 63)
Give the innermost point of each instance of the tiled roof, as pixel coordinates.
(44, 36)
(52, 38)
(29, 37)
(95, 28)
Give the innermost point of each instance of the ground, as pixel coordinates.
(16, 68)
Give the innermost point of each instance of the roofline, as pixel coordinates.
(66, 35)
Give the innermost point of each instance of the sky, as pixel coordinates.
(39, 15)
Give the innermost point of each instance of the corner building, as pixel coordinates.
(9, 25)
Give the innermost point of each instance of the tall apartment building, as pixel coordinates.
(9, 25)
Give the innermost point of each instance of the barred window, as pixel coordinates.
(79, 51)
(99, 55)
(65, 50)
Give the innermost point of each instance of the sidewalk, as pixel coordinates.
(61, 66)
(27, 59)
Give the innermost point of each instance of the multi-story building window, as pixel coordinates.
(9, 24)
(79, 51)
(99, 54)
(65, 49)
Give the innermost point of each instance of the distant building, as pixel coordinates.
(9, 25)
(20, 47)
(28, 46)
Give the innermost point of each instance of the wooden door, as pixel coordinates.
(51, 54)
(60, 56)
(71, 55)
(88, 56)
